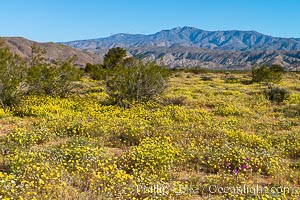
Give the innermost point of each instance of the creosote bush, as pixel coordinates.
(52, 80)
(206, 78)
(38, 77)
(96, 72)
(44, 78)
(114, 57)
(267, 74)
(11, 77)
(139, 82)
(277, 94)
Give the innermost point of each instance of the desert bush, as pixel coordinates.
(101, 72)
(277, 94)
(276, 72)
(90, 67)
(12, 72)
(129, 61)
(140, 82)
(267, 74)
(174, 100)
(54, 80)
(206, 78)
(231, 79)
(96, 72)
(114, 57)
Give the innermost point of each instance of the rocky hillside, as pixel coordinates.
(193, 37)
(53, 51)
(213, 59)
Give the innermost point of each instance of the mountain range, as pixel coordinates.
(193, 37)
(179, 47)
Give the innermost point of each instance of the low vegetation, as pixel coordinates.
(203, 133)
(139, 82)
(12, 78)
(18, 79)
(271, 74)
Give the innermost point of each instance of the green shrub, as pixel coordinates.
(276, 72)
(96, 72)
(54, 80)
(114, 57)
(267, 74)
(206, 78)
(260, 73)
(277, 94)
(140, 82)
(12, 72)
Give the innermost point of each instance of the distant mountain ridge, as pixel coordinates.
(178, 47)
(189, 47)
(193, 37)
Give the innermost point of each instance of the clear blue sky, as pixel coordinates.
(65, 20)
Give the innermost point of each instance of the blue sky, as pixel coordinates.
(65, 20)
